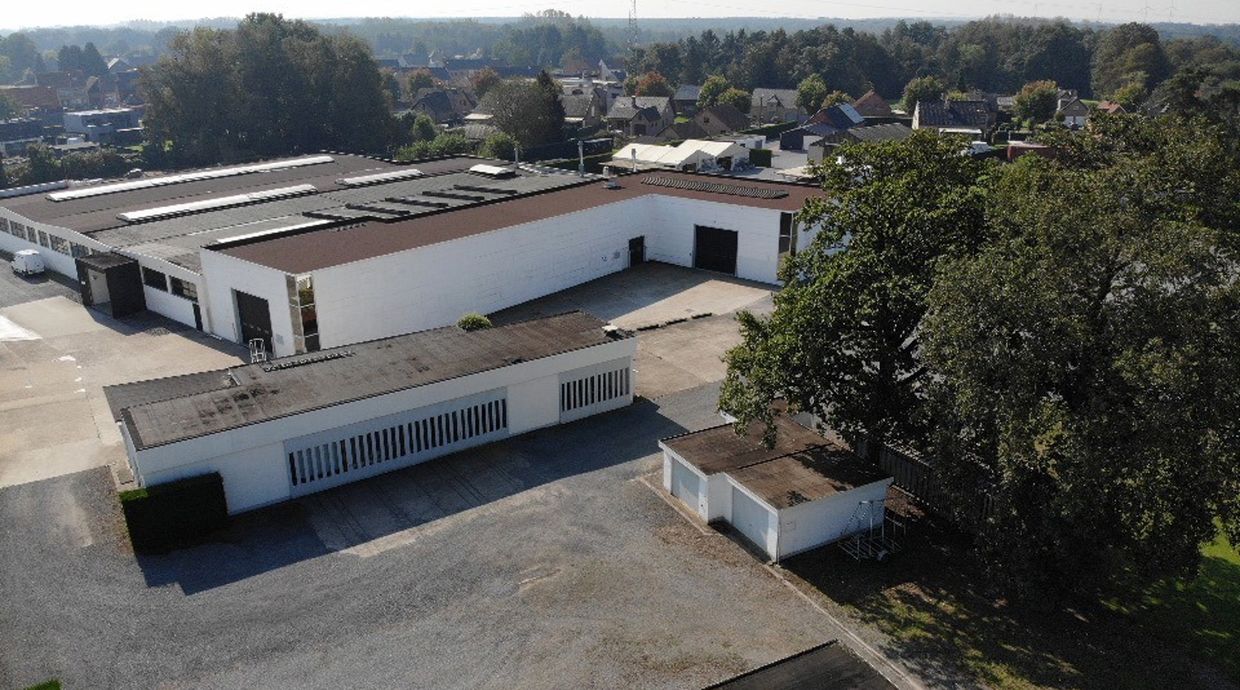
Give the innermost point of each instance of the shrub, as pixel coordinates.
(175, 514)
(760, 157)
(473, 321)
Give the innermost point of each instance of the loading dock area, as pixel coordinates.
(801, 493)
(111, 283)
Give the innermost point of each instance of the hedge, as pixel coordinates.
(760, 157)
(175, 514)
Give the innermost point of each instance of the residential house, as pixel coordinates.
(606, 73)
(36, 101)
(1111, 108)
(721, 119)
(70, 87)
(109, 126)
(677, 131)
(825, 122)
(117, 65)
(640, 115)
(443, 105)
(825, 147)
(872, 105)
(1072, 112)
(584, 109)
(684, 101)
(774, 105)
(970, 118)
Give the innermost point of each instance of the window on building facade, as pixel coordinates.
(183, 288)
(43, 240)
(154, 279)
(60, 244)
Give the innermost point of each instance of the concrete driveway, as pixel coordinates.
(55, 358)
(539, 562)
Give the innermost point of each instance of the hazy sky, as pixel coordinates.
(19, 13)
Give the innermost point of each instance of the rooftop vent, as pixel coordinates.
(494, 171)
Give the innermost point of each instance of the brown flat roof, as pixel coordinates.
(175, 409)
(319, 249)
(802, 466)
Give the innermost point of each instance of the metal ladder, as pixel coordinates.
(258, 351)
(869, 534)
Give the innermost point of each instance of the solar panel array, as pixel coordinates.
(116, 188)
(714, 187)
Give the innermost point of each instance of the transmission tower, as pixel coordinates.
(632, 27)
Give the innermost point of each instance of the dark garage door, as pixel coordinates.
(255, 318)
(714, 249)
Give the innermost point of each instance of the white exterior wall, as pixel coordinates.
(433, 286)
(765, 533)
(757, 244)
(55, 261)
(223, 274)
(167, 304)
(809, 525)
(251, 458)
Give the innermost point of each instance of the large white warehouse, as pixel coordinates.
(292, 426)
(321, 251)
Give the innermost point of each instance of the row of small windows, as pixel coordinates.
(44, 239)
(398, 441)
(587, 391)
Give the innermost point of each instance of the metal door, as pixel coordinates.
(714, 249)
(637, 250)
(255, 318)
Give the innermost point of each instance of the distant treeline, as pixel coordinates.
(996, 55)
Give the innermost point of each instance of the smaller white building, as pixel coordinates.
(296, 425)
(802, 493)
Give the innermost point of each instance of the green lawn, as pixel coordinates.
(937, 610)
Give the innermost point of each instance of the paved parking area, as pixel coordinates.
(55, 358)
(647, 294)
(672, 358)
(542, 561)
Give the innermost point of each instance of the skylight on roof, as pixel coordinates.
(492, 170)
(223, 202)
(273, 231)
(116, 188)
(378, 178)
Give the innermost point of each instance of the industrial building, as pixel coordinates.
(320, 251)
(802, 492)
(292, 426)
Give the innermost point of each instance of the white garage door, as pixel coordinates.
(750, 518)
(686, 485)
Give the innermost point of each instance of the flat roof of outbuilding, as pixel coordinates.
(170, 410)
(801, 465)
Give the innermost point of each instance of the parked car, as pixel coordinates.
(28, 262)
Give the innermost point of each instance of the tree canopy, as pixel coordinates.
(922, 89)
(811, 92)
(652, 84)
(1086, 362)
(530, 112)
(1037, 101)
(270, 87)
(843, 341)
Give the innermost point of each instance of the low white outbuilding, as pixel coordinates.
(802, 493)
(296, 425)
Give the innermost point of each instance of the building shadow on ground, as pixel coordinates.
(947, 621)
(364, 513)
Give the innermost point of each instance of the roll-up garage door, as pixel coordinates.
(686, 485)
(750, 518)
(714, 249)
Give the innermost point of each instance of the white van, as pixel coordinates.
(28, 262)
